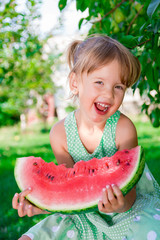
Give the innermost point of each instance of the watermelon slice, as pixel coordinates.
(70, 190)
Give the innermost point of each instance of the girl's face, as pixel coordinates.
(100, 92)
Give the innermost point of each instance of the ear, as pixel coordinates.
(73, 83)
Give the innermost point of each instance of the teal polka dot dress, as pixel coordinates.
(141, 222)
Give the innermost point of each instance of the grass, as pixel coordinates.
(14, 145)
(149, 138)
(35, 142)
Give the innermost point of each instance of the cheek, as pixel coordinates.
(89, 92)
(119, 96)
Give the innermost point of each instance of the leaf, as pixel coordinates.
(144, 107)
(80, 23)
(62, 4)
(151, 98)
(155, 116)
(150, 76)
(129, 41)
(152, 7)
(82, 5)
(156, 26)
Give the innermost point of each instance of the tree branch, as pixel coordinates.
(135, 17)
(111, 11)
(140, 44)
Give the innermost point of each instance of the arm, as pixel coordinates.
(112, 198)
(126, 134)
(58, 142)
(59, 147)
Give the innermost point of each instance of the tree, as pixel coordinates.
(25, 70)
(136, 24)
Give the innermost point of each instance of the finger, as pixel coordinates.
(37, 210)
(118, 194)
(24, 194)
(20, 210)
(30, 211)
(104, 196)
(111, 197)
(101, 206)
(15, 201)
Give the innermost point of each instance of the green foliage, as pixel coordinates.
(136, 24)
(62, 4)
(152, 7)
(24, 70)
(70, 108)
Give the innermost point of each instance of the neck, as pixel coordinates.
(84, 123)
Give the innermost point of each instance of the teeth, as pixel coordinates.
(103, 105)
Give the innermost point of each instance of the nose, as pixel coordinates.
(108, 93)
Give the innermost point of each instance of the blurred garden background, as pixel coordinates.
(33, 75)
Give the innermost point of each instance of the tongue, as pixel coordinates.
(100, 108)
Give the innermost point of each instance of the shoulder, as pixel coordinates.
(126, 134)
(57, 130)
(58, 136)
(125, 121)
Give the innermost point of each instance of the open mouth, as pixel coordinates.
(101, 108)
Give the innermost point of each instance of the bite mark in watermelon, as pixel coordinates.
(69, 190)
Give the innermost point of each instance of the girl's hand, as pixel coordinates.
(23, 206)
(112, 200)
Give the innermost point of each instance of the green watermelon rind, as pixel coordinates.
(136, 175)
(127, 186)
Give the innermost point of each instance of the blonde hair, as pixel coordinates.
(98, 50)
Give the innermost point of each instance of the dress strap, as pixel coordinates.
(73, 140)
(108, 139)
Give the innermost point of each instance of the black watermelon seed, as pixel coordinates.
(74, 172)
(52, 178)
(35, 163)
(126, 151)
(91, 171)
(118, 162)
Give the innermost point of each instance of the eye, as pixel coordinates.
(99, 82)
(119, 87)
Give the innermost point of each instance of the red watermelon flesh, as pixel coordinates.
(57, 188)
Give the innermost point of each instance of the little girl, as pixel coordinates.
(101, 71)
